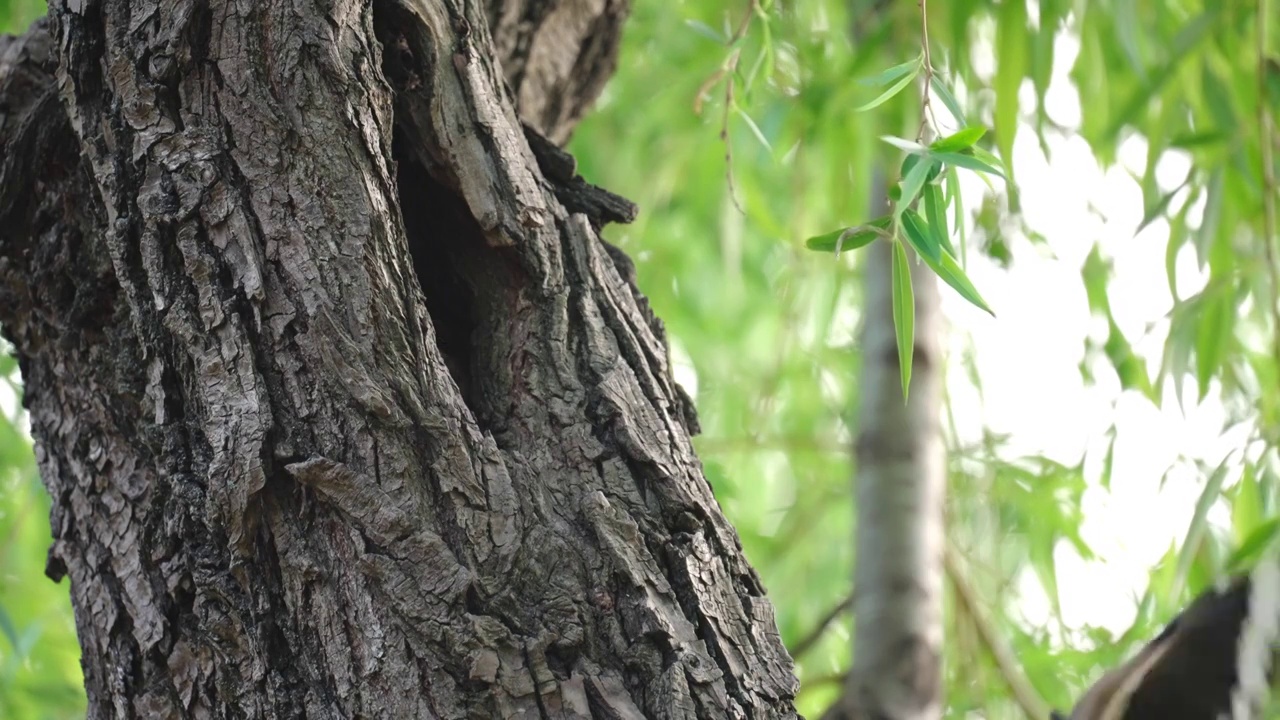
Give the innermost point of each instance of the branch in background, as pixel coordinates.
(807, 642)
(967, 599)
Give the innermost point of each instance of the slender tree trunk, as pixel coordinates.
(900, 487)
(345, 409)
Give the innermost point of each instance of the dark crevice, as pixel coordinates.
(439, 230)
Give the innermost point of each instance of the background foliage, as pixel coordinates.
(1169, 95)
(40, 675)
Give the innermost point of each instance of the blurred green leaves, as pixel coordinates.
(39, 658)
(40, 675)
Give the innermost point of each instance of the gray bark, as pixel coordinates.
(900, 488)
(345, 409)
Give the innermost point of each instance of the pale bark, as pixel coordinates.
(313, 456)
(900, 487)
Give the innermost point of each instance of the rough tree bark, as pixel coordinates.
(345, 408)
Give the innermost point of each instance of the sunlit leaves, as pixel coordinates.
(922, 240)
(1011, 68)
(959, 141)
(1149, 80)
(922, 169)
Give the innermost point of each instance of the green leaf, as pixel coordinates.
(1011, 51)
(921, 238)
(979, 154)
(948, 98)
(909, 161)
(912, 184)
(1217, 97)
(1207, 233)
(1213, 332)
(960, 140)
(935, 211)
(1254, 545)
(953, 190)
(1186, 40)
(1108, 462)
(10, 631)
(1190, 141)
(904, 144)
(904, 314)
(950, 272)
(755, 129)
(1158, 208)
(706, 31)
(850, 238)
(967, 161)
(895, 88)
(1246, 506)
(1177, 239)
(1199, 525)
(896, 72)
(1130, 369)
(1126, 21)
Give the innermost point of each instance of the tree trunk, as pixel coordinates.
(345, 409)
(900, 488)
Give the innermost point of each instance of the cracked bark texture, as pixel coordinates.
(345, 408)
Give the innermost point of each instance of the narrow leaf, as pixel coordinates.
(948, 99)
(705, 30)
(912, 184)
(958, 141)
(1251, 548)
(935, 211)
(1211, 217)
(1213, 332)
(953, 190)
(1199, 524)
(1011, 50)
(949, 270)
(896, 72)
(904, 314)
(967, 161)
(755, 129)
(904, 144)
(850, 238)
(893, 90)
(1183, 43)
(921, 238)
(10, 631)
(1158, 208)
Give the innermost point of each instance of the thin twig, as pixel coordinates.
(967, 598)
(730, 61)
(705, 88)
(926, 109)
(752, 8)
(808, 641)
(724, 132)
